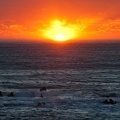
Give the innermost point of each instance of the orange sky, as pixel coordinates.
(30, 19)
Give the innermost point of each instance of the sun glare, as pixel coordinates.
(60, 31)
(60, 37)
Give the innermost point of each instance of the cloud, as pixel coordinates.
(111, 26)
(11, 30)
(104, 29)
(103, 25)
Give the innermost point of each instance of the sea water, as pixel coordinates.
(77, 78)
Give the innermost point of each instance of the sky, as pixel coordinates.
(34, 19)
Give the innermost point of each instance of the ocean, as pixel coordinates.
(48, 81)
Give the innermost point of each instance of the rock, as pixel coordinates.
(106, 102)
(110, 101)
(11, 94)
(43, 89)
(1, 93)
(42, 104)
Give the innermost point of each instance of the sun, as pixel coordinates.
(60, 31)
(60, 37)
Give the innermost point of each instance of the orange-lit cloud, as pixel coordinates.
(106, 29)
(110, 26)
(12, 30)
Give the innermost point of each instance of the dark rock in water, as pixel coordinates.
(106, 102)
(110, 101)
(42, 104)
(1, 93)
(11, 94)
(43, 89)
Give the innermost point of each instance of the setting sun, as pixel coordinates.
(60, 31)
(60, 37)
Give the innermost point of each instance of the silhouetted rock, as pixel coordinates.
(1, 93)
(43, 89)
(42, 104)
(106, 102)
(110, 101)
(11, 94)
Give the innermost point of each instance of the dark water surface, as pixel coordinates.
(78, 78)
